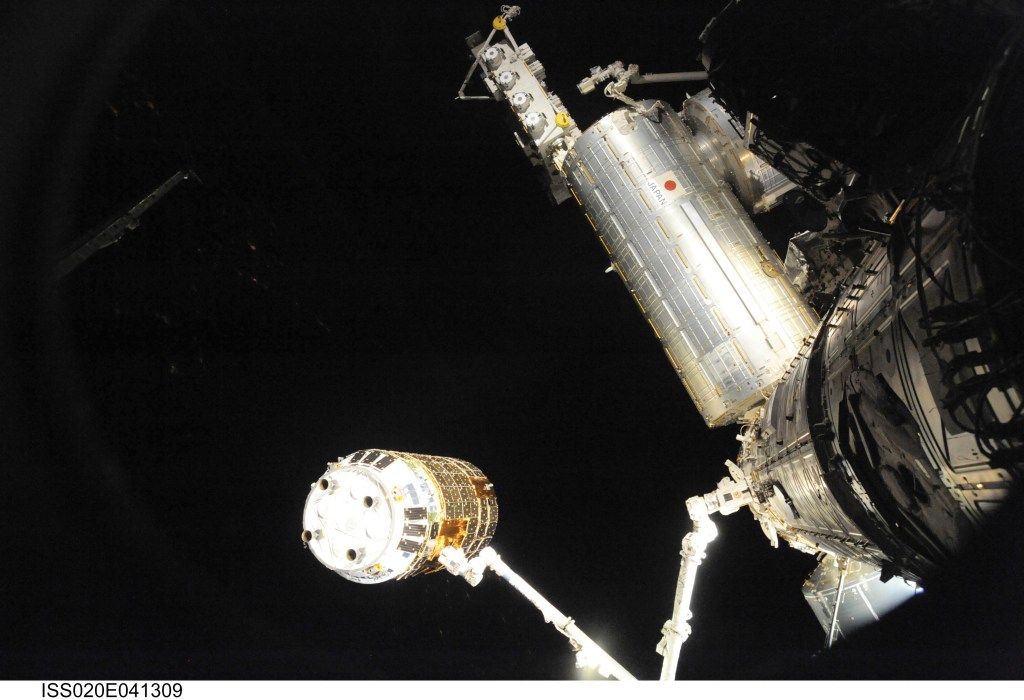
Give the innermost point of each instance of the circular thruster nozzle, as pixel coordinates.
(506, 79)
(521, 101)
(380, 515)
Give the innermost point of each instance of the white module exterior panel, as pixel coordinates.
(699, 270)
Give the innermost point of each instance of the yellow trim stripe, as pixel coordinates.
(629, 175)
(611, 148)
(720, 321)
(744, 356)
(637, 300)
(679, 254)
(700, 287)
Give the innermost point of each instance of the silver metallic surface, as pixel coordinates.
(855, 453)
(864, 600)
(720, 139)
(699, 270)
(785, 471)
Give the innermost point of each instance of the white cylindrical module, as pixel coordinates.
(379, 515)
(701, 273)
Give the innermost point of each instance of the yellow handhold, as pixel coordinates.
(562, 120)
(499, 23)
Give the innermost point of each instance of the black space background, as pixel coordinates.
(367, 264)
